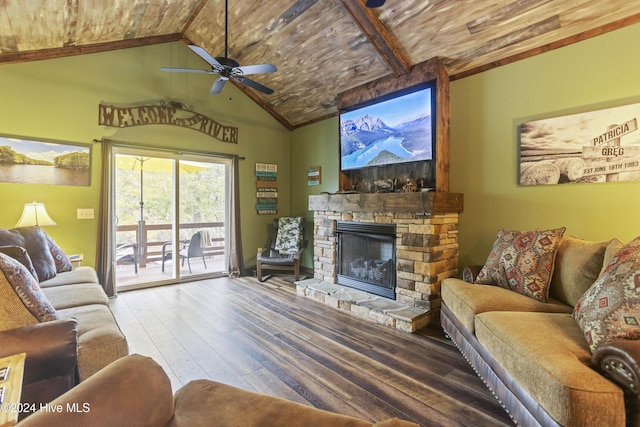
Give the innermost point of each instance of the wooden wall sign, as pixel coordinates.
(165, 113)
(266, 188)
(314, 176)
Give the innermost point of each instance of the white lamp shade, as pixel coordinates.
(35, 214)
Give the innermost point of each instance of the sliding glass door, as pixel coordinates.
(171, 216)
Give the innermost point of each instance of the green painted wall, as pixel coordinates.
(314, 145)
(486, 110)
(59, 99)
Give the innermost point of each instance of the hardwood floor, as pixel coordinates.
(263, 337)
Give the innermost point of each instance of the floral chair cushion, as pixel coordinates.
(289, 236)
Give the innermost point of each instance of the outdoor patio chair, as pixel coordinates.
(194, 247)
(127, 254)
(286, 248)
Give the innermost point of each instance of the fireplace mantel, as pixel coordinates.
(430, 202)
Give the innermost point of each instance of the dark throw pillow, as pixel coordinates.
(33, 239)
(20, 254)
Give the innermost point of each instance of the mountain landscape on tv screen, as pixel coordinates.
(368, 141)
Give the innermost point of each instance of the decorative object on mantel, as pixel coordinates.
(171, 113)
(585, 147)
(33, 161)
(267, 188)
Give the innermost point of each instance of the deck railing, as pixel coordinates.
(152, 250)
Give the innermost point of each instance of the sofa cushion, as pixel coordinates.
(522, 261)
(610, 309)
(33, 239)
(82, 274)
(75, 295)
(547, 355)
(26, 287)
(61, 259)
(466, 300)
(20, 254)
(577, 266)
(100, 340)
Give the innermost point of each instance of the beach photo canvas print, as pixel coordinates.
(28, 161)
(596, 146)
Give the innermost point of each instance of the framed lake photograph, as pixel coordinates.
(31, 161)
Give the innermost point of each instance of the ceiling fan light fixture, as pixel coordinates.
(374, 3)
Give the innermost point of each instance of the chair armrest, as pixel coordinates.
(51, 348)
(470, 273)
(620, 362)
(132, 391)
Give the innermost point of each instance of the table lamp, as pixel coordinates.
(35, 214)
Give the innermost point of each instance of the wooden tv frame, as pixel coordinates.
(428, 71)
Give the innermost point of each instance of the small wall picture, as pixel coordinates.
(596, 146)
(30, 161)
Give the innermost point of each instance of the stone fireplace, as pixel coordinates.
(425, 247)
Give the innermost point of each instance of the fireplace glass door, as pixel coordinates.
(366, 257)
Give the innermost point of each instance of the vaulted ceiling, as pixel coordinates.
(320, 47)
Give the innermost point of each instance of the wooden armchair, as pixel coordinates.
(285, 250)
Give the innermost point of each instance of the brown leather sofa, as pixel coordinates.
(51, 366)
(135, 391)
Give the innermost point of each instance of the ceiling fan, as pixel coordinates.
(227, 68)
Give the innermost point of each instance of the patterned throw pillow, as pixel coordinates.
(523, 261)
(289, 236)
(610, 309)
(27, 288)
(62, 261)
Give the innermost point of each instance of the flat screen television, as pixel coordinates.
(395, 129)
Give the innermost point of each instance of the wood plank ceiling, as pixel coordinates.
(320, 47)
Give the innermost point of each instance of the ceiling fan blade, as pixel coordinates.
(255, 85)
(186, 70)
(257, 69)
(374, 3)
(217, 86)
(205, 55)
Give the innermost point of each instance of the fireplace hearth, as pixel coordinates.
(366, 257)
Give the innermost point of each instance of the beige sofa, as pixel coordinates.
(48, 306)
(135, 391)
(534, 356)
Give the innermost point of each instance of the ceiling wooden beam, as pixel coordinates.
(251, 94)
(61, 52)
(378, 36)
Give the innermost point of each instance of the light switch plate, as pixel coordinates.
(85, 213)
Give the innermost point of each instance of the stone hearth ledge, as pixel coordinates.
(378, 309)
